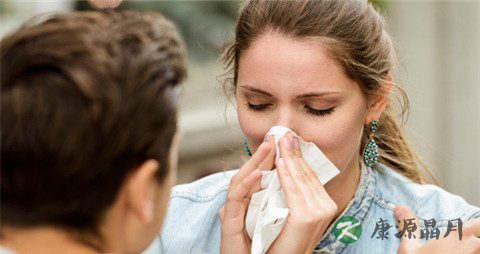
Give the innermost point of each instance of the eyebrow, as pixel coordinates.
(257, 90)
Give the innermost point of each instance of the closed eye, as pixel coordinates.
(256, 107)
(318, 112)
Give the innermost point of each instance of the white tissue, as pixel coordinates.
(268, 210)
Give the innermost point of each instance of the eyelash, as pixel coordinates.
(310, 110)
(259, 107)
(317, 112)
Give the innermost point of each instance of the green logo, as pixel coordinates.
(347, 229)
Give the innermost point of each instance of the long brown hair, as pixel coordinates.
(353, 33)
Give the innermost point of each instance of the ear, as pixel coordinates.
(140, 191)
(379, 102)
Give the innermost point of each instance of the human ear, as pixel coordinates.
(140, 190)
(379, 101)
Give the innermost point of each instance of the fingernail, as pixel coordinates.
(286, 142)
(296, 143)
(291, 141)
(253, 172)
(267, 138)
(280, 162)
(262, 144)
(399, 213)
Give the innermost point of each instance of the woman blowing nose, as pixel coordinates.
(321, 68)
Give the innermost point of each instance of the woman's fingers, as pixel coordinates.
(266, 164)
(472, 227)
(252, 164)
(310, 213)
(244, 183)
(288, 151)
(308, 190)
(236, 196)
(313, 178)
(232, 214)
(290, 188)
(306, 180)
(268, 161)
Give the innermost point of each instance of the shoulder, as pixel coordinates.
(204, 189)
(192, 224)
(425, 200)
(199, 201)
(201, 198)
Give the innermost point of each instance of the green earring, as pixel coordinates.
(370, 153)
(246, 148)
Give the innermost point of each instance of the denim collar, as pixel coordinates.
(358, 208)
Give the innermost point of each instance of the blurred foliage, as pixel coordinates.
(380, 5)
(205, 25)
(3, 7)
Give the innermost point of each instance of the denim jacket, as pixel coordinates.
(192, 224)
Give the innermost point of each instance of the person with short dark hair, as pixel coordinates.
(88, 131)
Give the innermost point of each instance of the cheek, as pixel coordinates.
(340, 138)
(253, 128)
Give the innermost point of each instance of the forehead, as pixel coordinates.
(276, 61)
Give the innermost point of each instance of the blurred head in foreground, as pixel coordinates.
(88, 131)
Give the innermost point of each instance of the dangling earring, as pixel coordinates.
(246, 148)
(370, 153)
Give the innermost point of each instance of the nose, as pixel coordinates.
(286, 117)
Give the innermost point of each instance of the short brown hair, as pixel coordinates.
(86, 97)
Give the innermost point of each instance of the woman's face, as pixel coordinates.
(296, 84)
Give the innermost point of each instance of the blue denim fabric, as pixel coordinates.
(192, 224)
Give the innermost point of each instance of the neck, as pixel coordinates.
(42, 240)
(342, 187)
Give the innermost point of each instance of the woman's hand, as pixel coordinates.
(311, 208)
(234, 237)
(470, 242)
